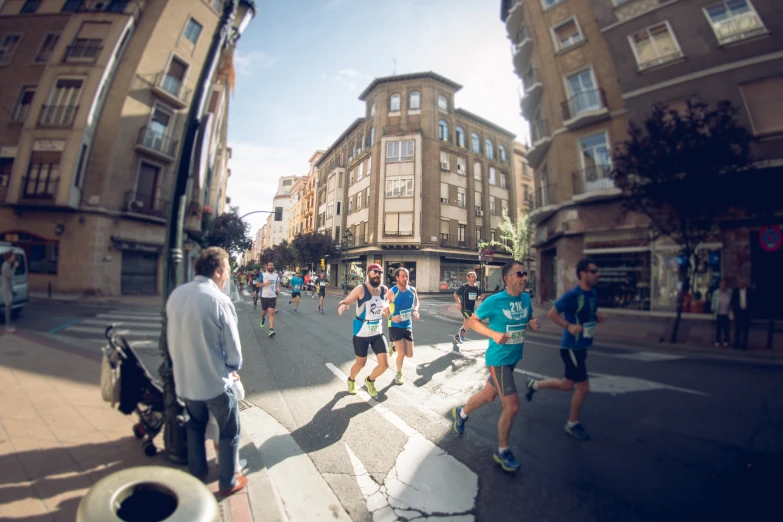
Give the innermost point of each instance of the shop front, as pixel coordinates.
(355, 272)
(391, 269)
(454, 273)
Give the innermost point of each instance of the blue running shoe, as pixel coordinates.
(506, 460)
(530, 390)
(459, 422)
(578, 432)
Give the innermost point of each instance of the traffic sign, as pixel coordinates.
(485, 259)
(771, 238)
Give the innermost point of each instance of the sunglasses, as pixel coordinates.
(594, 271)
(521, 274)
(376, 272)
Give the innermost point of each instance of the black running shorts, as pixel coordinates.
(398, 334)
(268, 302)
(467, 313)
(575, 368)
(296, 294)
(502, 378)
(361, 345)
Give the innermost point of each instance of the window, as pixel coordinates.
(350, 177)
(43, 176)
(369, 165)
(217, 5)
(30, 6)
(503, 180)
(583, 94)
(41, 253)
(567, 34)
(288, 182)
(655, 45)
(360, 175)
(490, 149)
(23, 104)
(394, 103)
(492, 180)
(476, 143)
(444, 160)
(8, 45)
(338, 208)
(193, 30)
(478, 233)
(63, 103)
(444, 193)
(399, 187)
(479, 201)
(443, 103)
(502, 154)
(47, 47)
(329, 210)
(367, 201)
(372, 135)
(372, 109)
(157, 135)
(477, 171)
(460, 134)
(399, 151)
(358, 201)
(492, 207)
(461, 235)
(549, 3)
(147, 185)
(414, 101)
(503, 207)
(117, 6)
(71, 6)
(6, 166)
(765, 106)
(596, 163)
(734, 20)
(398, 224)
(461, 166)
(461, 198)
(84, 50)
(493, 235)
(174, 77)
(443, 130)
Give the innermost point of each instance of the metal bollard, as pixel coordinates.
(148, 494)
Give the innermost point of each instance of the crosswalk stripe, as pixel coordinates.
(121, 331)
(123, 322)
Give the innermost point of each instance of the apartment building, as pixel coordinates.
(588, 68)
(93, 103)
(416, 182)
(296, 212)
(302, 219)
(278, 230)
(525, 194)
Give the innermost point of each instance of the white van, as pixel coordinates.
(21, 288)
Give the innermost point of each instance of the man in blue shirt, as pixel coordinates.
(575, 312)
(509, 313)
(296, 290)
(402, 307)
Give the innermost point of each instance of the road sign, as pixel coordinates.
(771, 238)
(485, 259)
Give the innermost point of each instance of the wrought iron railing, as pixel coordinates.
(583, 102)
(152, 139)
(145, 203)
(595, 177)
(57, 115)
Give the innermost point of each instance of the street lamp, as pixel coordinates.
(235, 18)
(347, 241)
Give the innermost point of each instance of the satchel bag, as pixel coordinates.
(110, 380)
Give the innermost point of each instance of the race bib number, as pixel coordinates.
(323, 284)
(374, 327)
(472, 296)
(588, 329)
(405, 315)
(516, 333)
(297, 288)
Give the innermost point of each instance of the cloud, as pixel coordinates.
(246, 64)
(350, 78)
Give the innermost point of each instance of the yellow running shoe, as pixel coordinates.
(371, 387)
(351, 387)
(398, 379)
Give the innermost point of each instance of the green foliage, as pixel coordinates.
(518, 234)
(282, 255)
(229, 232)
(310, 248)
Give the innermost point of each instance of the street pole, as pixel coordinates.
(174, 438)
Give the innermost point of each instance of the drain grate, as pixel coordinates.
(244, 405)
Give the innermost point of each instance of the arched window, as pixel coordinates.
(474, 138)
(502, 153)
(490, 149)
(372, 136)
(443, 130)
(443, 103)
(413, 101)
(460, 137)
(372, 109)
(394, 103)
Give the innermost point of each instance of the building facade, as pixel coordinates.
(93, 103)
(416, 183)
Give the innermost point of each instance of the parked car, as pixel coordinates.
(21, 289)
(285, 280)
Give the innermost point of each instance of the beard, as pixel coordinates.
(375, 282)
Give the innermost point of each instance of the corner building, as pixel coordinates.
(416, 183)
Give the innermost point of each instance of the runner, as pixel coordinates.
(313, 285)
(296, 290)
(270, 287)
(403, 304)
(256, 289)
(509, 313)
(323, 282)
(367, 327)
(306, 283)
(575, 312)
(466, 296)
(242, 278)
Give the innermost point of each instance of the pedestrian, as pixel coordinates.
(577, 313)
(466, 296)
(741, 307)
(323, 282)
(509, 312)
(213, 430)
(270, 288)
(367, 328)
(8, 270)
(721, 307)
(296, 290)
(205, 349)
(402, 306)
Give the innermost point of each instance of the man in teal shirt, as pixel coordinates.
(296, 290)
(509, 313)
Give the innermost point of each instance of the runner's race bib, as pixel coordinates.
(588, 329)
(405, 315)
(516, 333)
(323, 284)
(374, 327)
(472, 296)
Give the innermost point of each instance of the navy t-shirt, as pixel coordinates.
(578, 307)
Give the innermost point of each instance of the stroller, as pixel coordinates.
(138, 391)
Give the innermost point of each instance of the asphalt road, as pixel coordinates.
(673, 437)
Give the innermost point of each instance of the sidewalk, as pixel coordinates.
(58, 438)
(127, 300)
(647, 332)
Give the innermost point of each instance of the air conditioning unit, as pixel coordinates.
(135, 205)
(444, 200)
(444, 165)
(479, 212)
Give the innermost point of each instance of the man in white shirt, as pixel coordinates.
(269, 282)
(741, 309)
(205, 350)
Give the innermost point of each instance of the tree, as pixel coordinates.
(282, 255)
(229, 232)
(679, 171)
(517, 235)
(311, 247)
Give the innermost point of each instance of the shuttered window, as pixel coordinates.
(765, 105)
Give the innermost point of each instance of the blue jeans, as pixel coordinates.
(225, 408)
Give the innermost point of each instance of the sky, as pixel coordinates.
(300, 67)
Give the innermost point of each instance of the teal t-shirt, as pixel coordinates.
(508, 314)
(296, 284)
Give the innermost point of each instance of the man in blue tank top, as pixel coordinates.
(367, 327)
(403, 307)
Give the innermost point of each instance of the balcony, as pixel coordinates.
(585, 108)
(516, 14)
(57, 115)
(171, 90)
(454, 241)
(146, 204)
(83, 50)
(739, 27)
(661, 60)
(40, 188)
(533, 91)
(541, 138)
(594, 180)
(156, 144)
(545, 195)
(522, 48)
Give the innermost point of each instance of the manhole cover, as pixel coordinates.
(244, 405)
